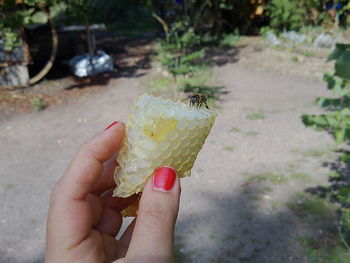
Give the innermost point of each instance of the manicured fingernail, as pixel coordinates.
(164, 179)
(110, 125)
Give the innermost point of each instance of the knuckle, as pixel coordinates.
(153, 216)
(92, 149)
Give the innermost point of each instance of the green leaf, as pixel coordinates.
(345, 112)
(344, 194)
(338, 51)
(39, 17)
(342, 65)
(345, 157)
(340, 136)
(307, 120)
(328, 102)
(330, 81)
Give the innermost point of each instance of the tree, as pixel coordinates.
(15, 15)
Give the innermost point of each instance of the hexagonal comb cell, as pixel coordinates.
(160, 133)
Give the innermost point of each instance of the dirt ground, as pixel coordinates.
(234, 208)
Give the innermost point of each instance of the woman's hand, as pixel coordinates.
(84, 218)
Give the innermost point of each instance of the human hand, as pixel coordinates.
(84, 218)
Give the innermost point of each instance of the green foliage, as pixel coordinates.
(285, 15)
(177, 61)
(324, 249)
(341, 55)
(337, 122)
(230, 40)
(296, 14)
(335, 176)
(14, 17)
(11, 19)
(11, 39)
(179, 52)
(38, 104)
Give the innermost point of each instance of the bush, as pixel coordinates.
(285, 15)
(230, 40)
(336, 121)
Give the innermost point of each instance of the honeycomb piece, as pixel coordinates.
(160, 133)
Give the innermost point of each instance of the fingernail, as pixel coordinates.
(164, 179)
(112, 124)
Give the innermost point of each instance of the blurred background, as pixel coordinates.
(272, 181)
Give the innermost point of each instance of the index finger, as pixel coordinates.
(87, 166)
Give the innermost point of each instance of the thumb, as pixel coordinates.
(153, 236)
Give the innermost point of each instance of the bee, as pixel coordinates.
(198, 100)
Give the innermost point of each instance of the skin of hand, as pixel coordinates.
(84, 218)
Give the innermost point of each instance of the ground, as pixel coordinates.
(247, 190)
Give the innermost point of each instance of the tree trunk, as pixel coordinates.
(90, 45)
(49, 63)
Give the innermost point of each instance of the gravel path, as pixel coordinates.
(221, 219)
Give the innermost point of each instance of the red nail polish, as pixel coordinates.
(164, 179)
(112, 124)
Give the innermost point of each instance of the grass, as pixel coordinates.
(256, 116)
(335, 176)
(313, 152)
(248, 216)
(229, 40)
(294, 58)
(320, 152)
(324, 245)
(38, 104)
(234, 129)
(251, 133)
(303, 177)
(178, 254)
(274, 204)
(272, 177)
(324, 249)
(275, 178)
(229, 148)
(293, 165)
(311, 209)
(229, 255)
(307, 53)
(266, 189)
(246, 231)
(8, 186)
(230, 238)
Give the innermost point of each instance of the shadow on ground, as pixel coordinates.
(222, 55)
(232, 228)
(131, 56)
(132, 59)
(339, 177)
(6, 259)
